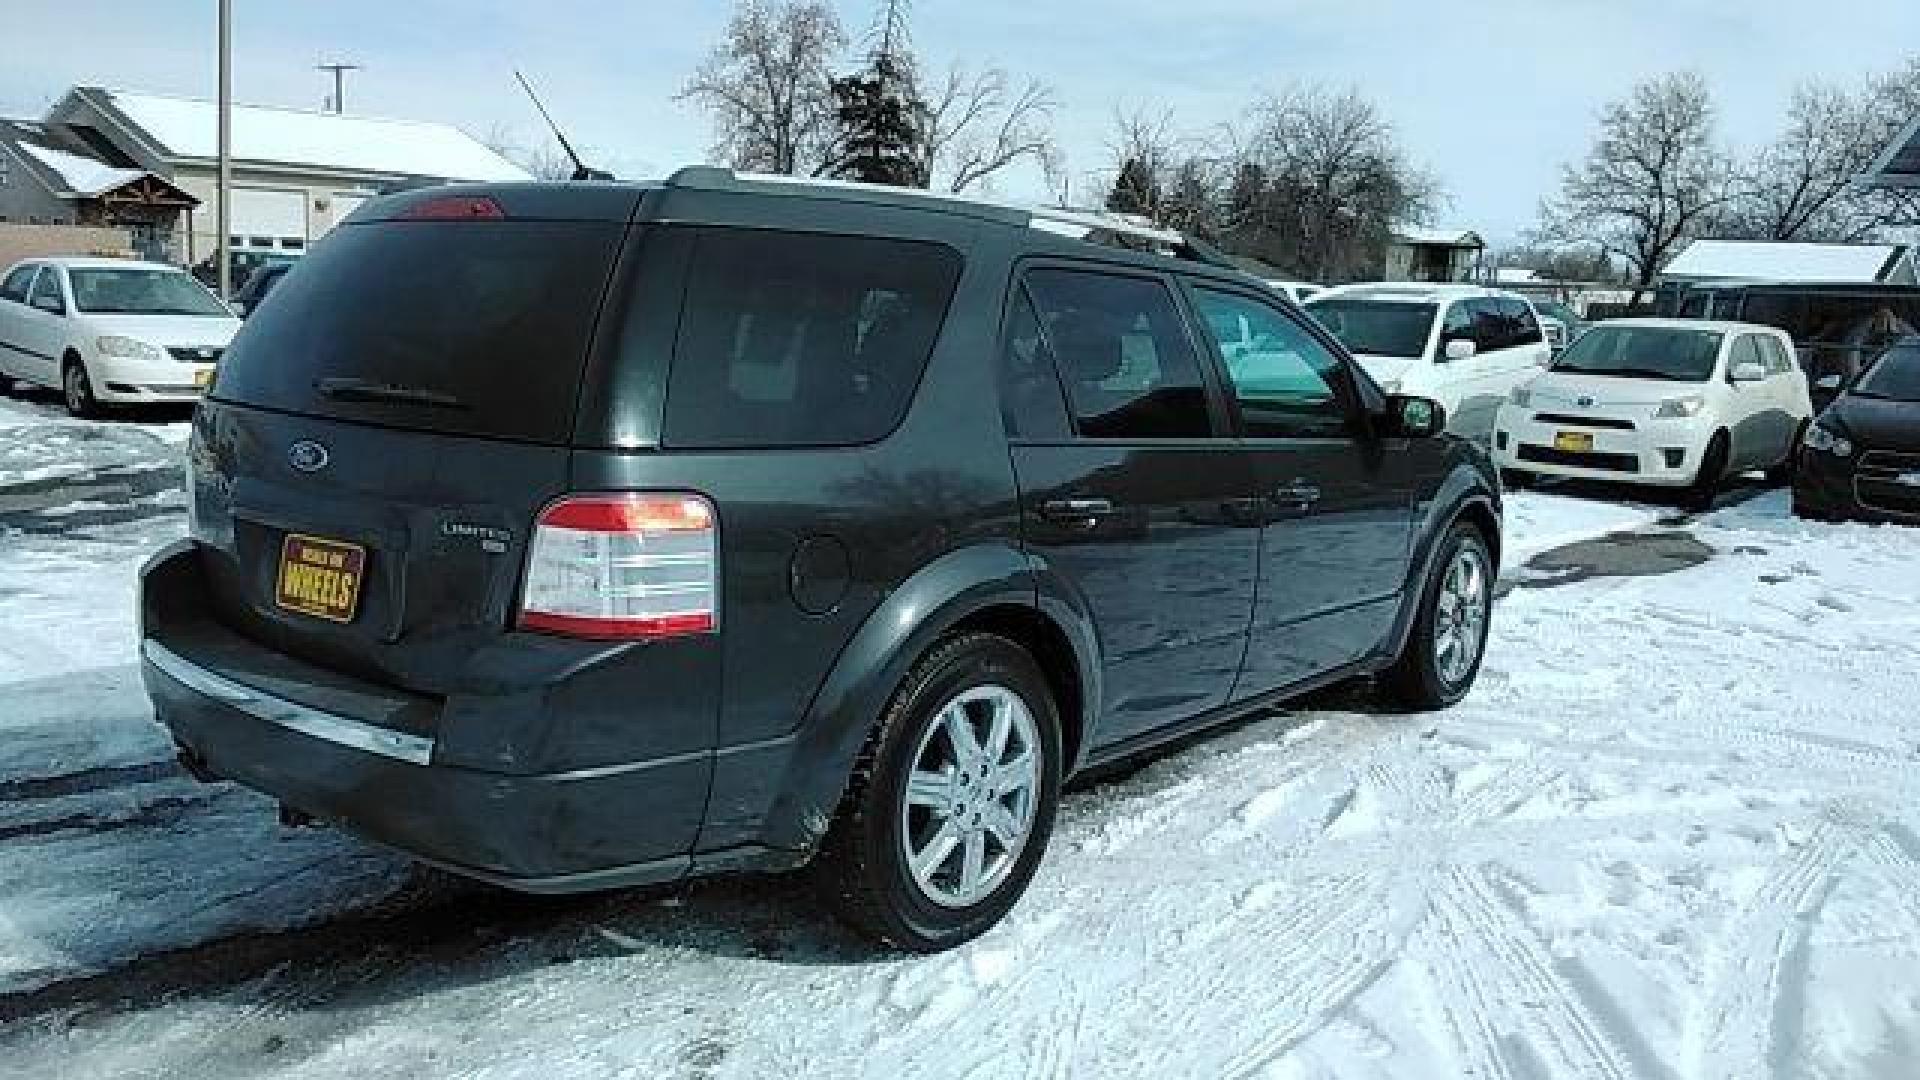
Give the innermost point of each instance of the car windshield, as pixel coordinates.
(1376, 327)
(139, 291)
(1644, 352)
(1895, 377)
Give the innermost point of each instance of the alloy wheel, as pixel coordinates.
(1461, 619)
(971, 794)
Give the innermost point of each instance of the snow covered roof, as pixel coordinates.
(82, 175)
(1755, 260)
(188, 128)
(1420, 234)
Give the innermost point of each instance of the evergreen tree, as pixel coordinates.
(1136, 190)
(879, 110)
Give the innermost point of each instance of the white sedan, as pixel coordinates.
(1673, 403)
(110, 331)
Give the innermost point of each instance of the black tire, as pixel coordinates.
(862, 868)
(1417, 681)
(1712, 472)
(6, 386)
(76, 390)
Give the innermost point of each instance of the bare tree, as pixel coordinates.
(543, 158)
(977, 123)
(1144, 150)
(1320, 181)
(1801, 186)
(767, 86)
(1654, 179)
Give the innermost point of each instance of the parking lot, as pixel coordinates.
(1672, 833)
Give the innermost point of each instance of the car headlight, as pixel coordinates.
(1681, 408)
(1819, 438)
(1521, 396)
(130, 348)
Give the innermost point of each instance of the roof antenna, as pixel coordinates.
(580, 169)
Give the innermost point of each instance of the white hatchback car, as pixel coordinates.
(1465, 347)
(110, 331)
(1669, 402)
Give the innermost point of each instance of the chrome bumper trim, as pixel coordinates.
(291, 715)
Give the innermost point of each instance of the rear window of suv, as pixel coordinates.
(799, 339)
(470, 327)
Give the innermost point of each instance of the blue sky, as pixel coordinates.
(1490, 95)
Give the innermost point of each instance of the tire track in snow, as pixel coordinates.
(1486, 957)
(1333, 946)
(87, 780)
(1751, 1014)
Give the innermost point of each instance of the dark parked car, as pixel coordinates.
(259, 284)
(1861, 458)
(580, 536)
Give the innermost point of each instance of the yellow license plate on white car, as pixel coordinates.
(203, 378)
(1573, 442)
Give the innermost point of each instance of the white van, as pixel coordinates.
(1461, 345)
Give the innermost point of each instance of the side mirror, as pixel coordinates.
(1830, 382)
(52, 305)
(1460, 349)
(1414, 417)
(1747, 371)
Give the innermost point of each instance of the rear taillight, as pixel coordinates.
(623, 566)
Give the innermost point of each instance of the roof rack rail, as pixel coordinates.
(1092, 226)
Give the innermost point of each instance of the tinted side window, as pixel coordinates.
(1775, 353)
(16, 285)
(1123, 353)
(1490, 328)
(1282, 378)
(1746, 350)
(1459, 324)
(1029, 390)
(46, 291)
(1526, 328)
(797, 339)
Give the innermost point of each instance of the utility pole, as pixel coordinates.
(223, 202)
(338, 102)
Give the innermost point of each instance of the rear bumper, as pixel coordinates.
(386, 764)
(565, 832)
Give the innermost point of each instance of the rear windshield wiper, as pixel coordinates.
(369, 390)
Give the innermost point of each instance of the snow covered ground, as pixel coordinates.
(1675, 833)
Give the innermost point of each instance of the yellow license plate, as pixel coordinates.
(320, 577)
(1573, 442)
(203, 379)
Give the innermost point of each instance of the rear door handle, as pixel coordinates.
(1081, 511)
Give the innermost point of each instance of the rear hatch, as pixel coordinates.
(380, 439)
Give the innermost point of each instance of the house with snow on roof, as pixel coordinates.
(1440, 256)
(296, 173)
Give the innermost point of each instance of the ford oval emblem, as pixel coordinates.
(308, 456)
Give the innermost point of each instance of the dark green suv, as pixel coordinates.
(587, 535)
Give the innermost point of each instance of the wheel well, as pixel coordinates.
(1048, 646)
(1477, 515)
